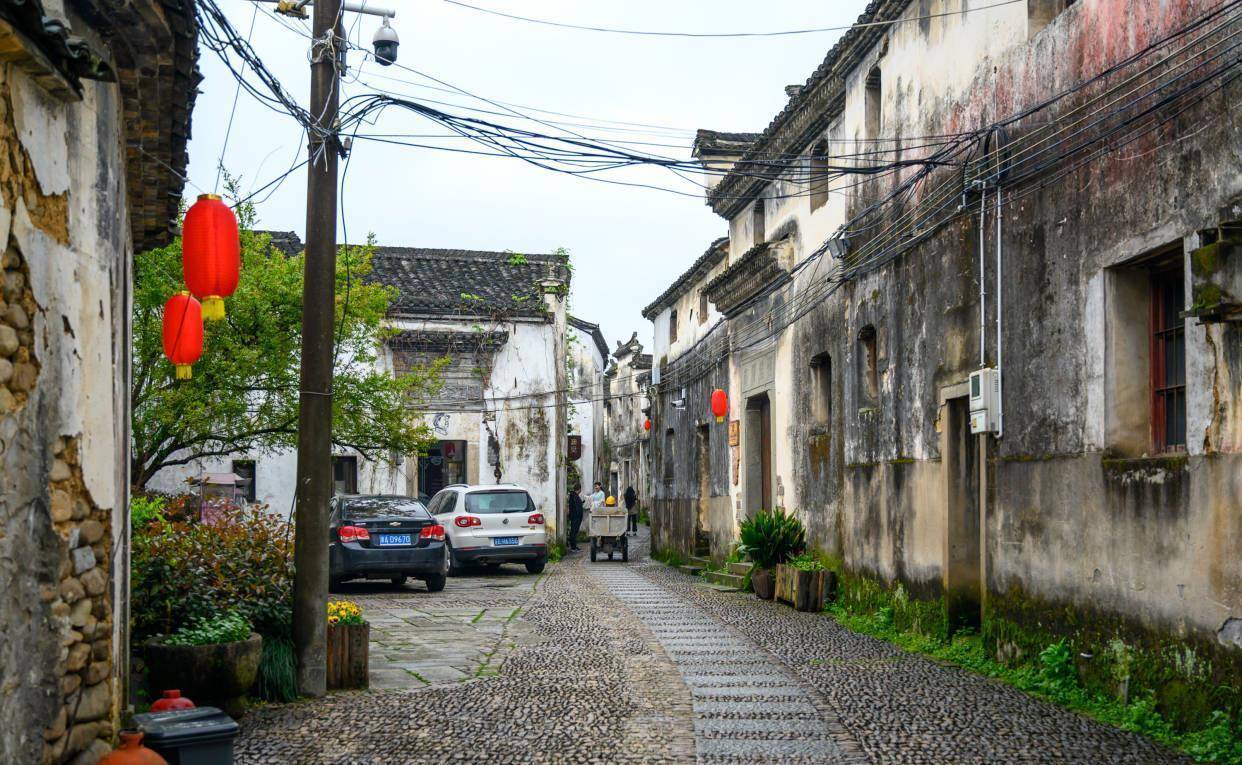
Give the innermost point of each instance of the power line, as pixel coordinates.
(717, 35)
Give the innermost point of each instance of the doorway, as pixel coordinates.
(443, 465)
(758, 454)
(963, 570)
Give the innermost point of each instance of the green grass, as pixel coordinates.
(669, 558)
(1052, 676)
(278, 673)
(556, 551)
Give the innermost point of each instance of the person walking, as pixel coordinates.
(631, 508)
(576, 509)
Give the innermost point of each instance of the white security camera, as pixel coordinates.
(385, 42)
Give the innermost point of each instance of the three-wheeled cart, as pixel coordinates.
(607, 530)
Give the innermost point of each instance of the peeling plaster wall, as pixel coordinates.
(1149, 542)
(63, 420)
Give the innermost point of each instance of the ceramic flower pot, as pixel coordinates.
(131, 752)
(763, 583)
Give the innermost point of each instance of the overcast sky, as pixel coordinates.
(628, 244)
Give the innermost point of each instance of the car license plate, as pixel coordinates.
(498, 541)
(387, 540)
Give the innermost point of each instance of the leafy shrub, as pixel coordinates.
(772, 537)
(807, 562)
(344, 612)
(143, 510)
(556, 551)
(224, 628)
(1057, 673)
(185, 573)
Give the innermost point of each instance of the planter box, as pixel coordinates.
(804, 590)
(762, 581)
(218, 675)
(349, 648)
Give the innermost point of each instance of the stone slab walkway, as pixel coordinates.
(420, 638)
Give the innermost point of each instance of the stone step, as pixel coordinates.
(691, 569)
(741, 569)
(725, 580)
(701, 562)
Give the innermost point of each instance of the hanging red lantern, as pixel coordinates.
(720, 404)
(183, 332)
(647, 425)
(210, 253)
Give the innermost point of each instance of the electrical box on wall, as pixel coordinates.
(985, 401)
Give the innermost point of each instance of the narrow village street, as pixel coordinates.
(640, 663)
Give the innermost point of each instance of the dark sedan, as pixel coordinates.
(385, 537)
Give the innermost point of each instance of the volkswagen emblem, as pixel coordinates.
(505, 521)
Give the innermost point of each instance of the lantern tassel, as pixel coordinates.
(213, 308)
(184, 371)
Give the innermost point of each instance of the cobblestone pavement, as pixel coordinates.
(585, 683)
(903, 708)
(639, 663)
(747, 705)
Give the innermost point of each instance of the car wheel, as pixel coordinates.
(594, 551)
(455, 566)
(334, 584)
(625, 553)
(610, 555)
(399, 580)
(536, 566)
(435, 582)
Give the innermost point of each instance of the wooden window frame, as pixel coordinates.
(1163, 330)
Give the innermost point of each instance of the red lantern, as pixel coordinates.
(183, 332)
(210, 253)
(720, 404)
(647, 425)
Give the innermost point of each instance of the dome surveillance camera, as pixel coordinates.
(385, 42)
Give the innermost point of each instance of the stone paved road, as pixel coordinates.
(637, 663)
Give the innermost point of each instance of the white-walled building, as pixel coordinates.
(588, 360)
(502, 413)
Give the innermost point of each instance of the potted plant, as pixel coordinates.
(349, 638)
(215, 661)
(770, 538)
(804, 582)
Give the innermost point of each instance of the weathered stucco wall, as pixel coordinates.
(1078, 516)
(63, 388)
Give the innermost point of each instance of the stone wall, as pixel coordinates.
(63, 373)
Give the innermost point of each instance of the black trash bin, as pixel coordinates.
(202, 736)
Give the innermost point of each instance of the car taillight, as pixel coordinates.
(466, 521)
(434, 533)
(353, 534)
(536, 519)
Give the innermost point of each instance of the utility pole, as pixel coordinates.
(314, 481)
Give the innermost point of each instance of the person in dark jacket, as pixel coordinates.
(631, 507)
(575, 515)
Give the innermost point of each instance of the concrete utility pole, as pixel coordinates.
(314, 483)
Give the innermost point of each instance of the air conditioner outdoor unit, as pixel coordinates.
(985, 401)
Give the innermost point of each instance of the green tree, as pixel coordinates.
(244, 393)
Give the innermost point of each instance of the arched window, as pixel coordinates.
(821, 384)
(871, 118)
(819, 181)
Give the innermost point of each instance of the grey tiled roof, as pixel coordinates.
(465, 282)
(719, 141)
(717, 251)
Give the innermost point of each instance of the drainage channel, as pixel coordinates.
(748, 707)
